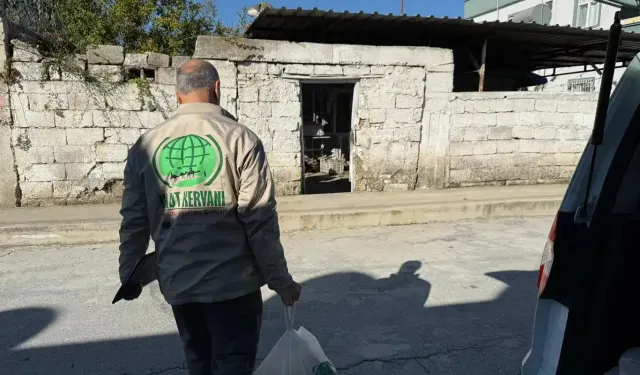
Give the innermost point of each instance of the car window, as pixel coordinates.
(628, 199)
(624, 102)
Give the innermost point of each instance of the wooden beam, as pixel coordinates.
(473, 60)
(483, 66)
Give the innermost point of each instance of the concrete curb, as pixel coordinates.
(106, 231)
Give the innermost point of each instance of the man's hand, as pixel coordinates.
(131, 292)
(290, 294)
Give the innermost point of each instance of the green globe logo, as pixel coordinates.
(188, 161)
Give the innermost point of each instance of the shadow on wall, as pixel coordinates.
(366, 326)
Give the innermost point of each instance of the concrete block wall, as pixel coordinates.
(71, 140)
(505, 138)
(72, 122)
(390, 85)
(9, 192)
(271, 106)
(67, 137)
(390, 109)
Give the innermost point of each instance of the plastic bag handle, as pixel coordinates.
(289, 316)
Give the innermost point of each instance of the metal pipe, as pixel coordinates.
(401, 6)
(497, 10)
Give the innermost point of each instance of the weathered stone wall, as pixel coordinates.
(513, 138)
(272, 107)
(74, 120)
(66, 126)
(388, 133)
(390, 84)
(9, 195)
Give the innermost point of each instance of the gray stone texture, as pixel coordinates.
(75, 69)
(29, 71)
(69, 139)
(84, 136)
(106, 73)
(74, 154)
(8, 182)
(536, 137)
(135, 60)
(111, 153)
(177, 61)
(242, 49)
(105, 55)
(23, 51)
(166, 76)
(158, 60)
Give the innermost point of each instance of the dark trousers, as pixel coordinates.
(221, 338)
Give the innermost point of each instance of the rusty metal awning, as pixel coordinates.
(510, 45)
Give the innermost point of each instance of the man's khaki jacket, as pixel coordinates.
(200, 186)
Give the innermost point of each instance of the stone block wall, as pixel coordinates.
(272, 107)
(390, 85)
(73, 120)
(71, 138)
(9, 192)
(390, 105)
(505, 138)
(66, 126)
(390, 109)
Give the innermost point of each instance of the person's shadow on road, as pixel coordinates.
(374, 326)
(365, 325)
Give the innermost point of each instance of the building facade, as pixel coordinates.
(575, 13)
(360, 118)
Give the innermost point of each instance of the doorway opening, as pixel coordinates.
(326, 137)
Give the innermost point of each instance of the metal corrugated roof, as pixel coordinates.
(511, 45)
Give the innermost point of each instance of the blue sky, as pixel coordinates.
(228, 9)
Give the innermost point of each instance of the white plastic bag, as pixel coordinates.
(297, 352)
(629, 363)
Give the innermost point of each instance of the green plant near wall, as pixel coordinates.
(145, 95)
(165, 26)
(144, 88)
(8, 74)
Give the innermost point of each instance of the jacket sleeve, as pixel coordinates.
(257, 213)
(135, 227)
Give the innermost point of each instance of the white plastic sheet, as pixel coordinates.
(297, 352)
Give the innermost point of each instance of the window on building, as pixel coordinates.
(588, 13)
(582, 85)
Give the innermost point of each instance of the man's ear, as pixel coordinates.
(178, 97)
(216, 90)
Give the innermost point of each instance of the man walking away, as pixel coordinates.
(199, 184)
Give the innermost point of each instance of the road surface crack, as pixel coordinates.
(478, 345)
(7, 253)
(426, 370)
(158, 372)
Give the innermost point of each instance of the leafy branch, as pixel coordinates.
(165, 26)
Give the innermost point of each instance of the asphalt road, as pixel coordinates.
(446, 298)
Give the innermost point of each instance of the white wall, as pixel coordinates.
(560, 83)
(508, 10)
(563, 13)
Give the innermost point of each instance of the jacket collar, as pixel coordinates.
(199, 108)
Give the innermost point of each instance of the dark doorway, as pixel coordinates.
(326, 146)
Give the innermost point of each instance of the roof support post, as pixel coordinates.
(473, 60)
(483, 66)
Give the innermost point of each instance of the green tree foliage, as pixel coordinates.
(167, 26)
